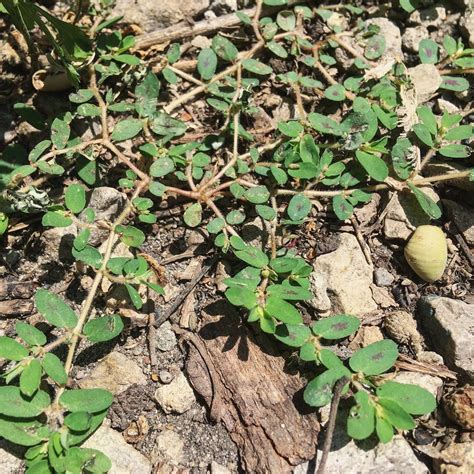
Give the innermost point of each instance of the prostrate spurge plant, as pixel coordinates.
(373, 143)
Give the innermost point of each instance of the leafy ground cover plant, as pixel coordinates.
(226, 177)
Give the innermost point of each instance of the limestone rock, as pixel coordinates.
(459, 406)
(365, 336)
(396, 457)
(466, 24)
(348, 277)
(434, 169)
(165, 337)
(115, 372)
(150, 15)
(449, 325)
(426, 80)
(432, 16)
(169, 445)
(412, 37)
(125, 459)
(9, 463)
(107, 204)
(428, 382)
(392, 35)
(320, 301)
(457, 458)
(463, 218)
(404, 214)
(176, 397)
(217, 468)
(383, 277)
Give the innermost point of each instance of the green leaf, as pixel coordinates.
(78, 421)
(130, 235)
(286, 20)
(342, 207)
(244, 18)
(265, 212)
(463, 132)
(291, 129)
(257, 194)
(422, 132)
(215, 225)
(88, 110)
(134, 296)
(336, 327)
(161, 167)
(425, 202)
(267, 324)
(87, 254)
(54, 368)
(60, 131)
(287, 292)
(376, 168)
(401, 152)
(253, 256)
(299, 207)
(319, 391)
(336, 92)
(207, 63)
(455, 151)
(55, 219)
(163, 124)
(81, 96)
(293, 335)
(464, 63)
(11, 349)
(395, 414)
(283, 311)
(428, 118)
(31, 335)
(383, 429)
(20, 432)
(14, 404)
(241, 297)
(450, 45)
(329, 359)
(90, 400)
(252, 65)
(361, 419)
(129, 59)
(55, 310)
(224, 48)
(412, 398)
(38, 150)
(146, 95)
(30, 378)
(428, 51)
(75, 198)
(103, 329)
(457, 84)
(308, 352)
(376, 358)
(126, 129)
(324, 124)
(235, 217)
(375, 47)
(308, 150)
(193, 215)
(277, 49)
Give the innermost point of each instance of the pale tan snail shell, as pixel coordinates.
(427, 252)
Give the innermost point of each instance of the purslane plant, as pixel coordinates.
(227, 179)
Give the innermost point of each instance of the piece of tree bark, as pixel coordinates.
(15, 307)
(249, 388)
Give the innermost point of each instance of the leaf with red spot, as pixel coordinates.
(457, 84)
(376, 358)
(428, 51)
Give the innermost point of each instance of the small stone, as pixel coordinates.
(348, 277)
(449, 325)
(463, 218)
(9, 463)
(446, 106)
(365, 336)
(457, 458)
(426, 80)
(433, 169)
(404, 215)
(107, 204)
(115, 373)
(201, 42)
(150, 15)
(217, 468)
(165, 337)
(460, 407)
(194, 238)
(392, 35)
(430, 383)
(412, 37)
(430, 357)
(254, 232)
(382, 297)
(320, 301)
(165, 376)
(125, 459)
(401, 327)
(383, 277)
(169, 446)
(432, 16)
(177, 397)
(466, 23)
(57, 243)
